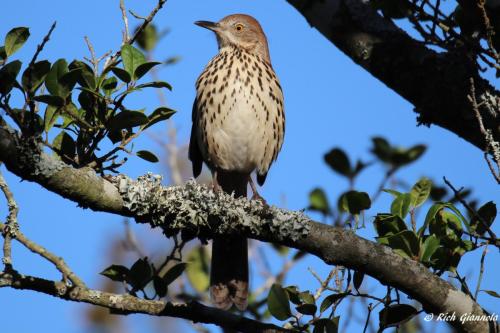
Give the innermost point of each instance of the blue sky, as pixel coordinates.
(329, 101)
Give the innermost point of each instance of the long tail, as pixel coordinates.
(229, 271)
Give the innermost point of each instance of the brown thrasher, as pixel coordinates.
(238, 127)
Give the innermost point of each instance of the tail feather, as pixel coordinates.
(229, 269)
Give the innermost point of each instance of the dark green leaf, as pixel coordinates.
(33, 77)
(420, 192)
(50, 117)
(382, 149)
(354, 202)
(122, 74)
(325, 325)
(15, 39)
(85, 77)
(401, 205)
(329, 300)
(160, 286)
(338, 160)
(405, 243)
(127, 119)
(142, 69)
(132, 58)
(488, 213)
(116, 273)
(50, 100)
(318, 201)
(174, 272)
(140, 274)
(430, 246)
(431, 215)
(293, 294)
(155, 84)
(147, 155)
(396, 314)
(307, 309)
(109, 85)
(3, 55)
(64, 145)
(492, 293)
(278, 303)
(8, 74)
(197, 269)
(160, 114)
(387, 224)
(307, 297)
(59, 68)
(357, 280)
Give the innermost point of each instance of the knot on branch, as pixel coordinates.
(196, 211)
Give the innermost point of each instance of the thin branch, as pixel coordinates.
(481, 271)
(127, 304)
(125, 21)
(8, 230)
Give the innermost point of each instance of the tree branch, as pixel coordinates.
(127, 304)
(437, 84)
(196, 211)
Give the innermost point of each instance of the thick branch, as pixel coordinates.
(437, 84)
(198, 211)
(127, 304)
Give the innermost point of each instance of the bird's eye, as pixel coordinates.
(239, 27)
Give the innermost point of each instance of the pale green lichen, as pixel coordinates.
(196, 210)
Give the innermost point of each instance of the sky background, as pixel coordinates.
(329, 101)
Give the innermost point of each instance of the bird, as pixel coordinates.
(238, 127)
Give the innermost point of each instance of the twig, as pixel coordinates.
(370, 308)
(8, 230)
(491, 145)
(125, 21)
(481, 271)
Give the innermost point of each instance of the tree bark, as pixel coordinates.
(437, 84)
(193, 208)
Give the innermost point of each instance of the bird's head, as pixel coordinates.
(241, 31)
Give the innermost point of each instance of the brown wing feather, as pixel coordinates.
(194, 149)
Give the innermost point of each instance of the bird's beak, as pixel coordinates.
(208, 25)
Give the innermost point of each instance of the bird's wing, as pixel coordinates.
(194, 148)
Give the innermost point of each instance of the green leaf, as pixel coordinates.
(155, 84)
(147, 155)
(357, 280)
(116, 273)
(278, 302)
(430, 246)
(85, 75)
(307, 309)
(488, 213)
(395, 156)
(329, 300)
(420, 192)
(431, 215)
(64, 145)
(15, 39)
(307, 297)
(59, 68)
(338, 160)
(50, 117)
(160, 286)
(109, 85)
(401, 205)
(318, 201)
(140, 273)
(50, 100)
(405, 243)
(33, 78)
(142, 69)
(174, 272)
(492, 293)
(293, 294)
(8, 74)
(160, 114)
(127, 119)
(3, 55)
(148, 38)
(394, 193)
(197, 269)
(396, 314)
(132, 58)
(122, 74)
(325, 325)
(354, 202)
(387, 224)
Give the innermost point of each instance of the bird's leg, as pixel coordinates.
(215, 184)
(256, 195)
